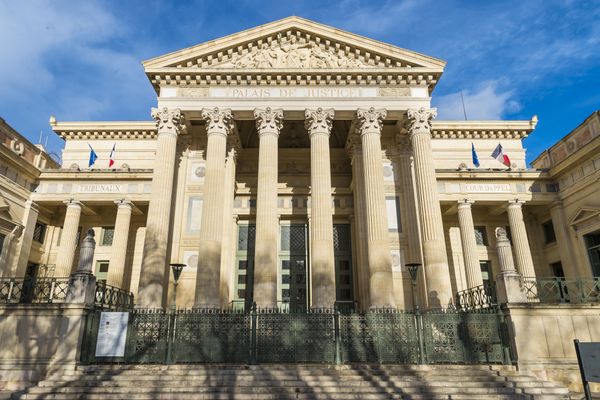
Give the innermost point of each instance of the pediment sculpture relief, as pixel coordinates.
(292, 53)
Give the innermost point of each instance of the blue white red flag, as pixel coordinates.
(499, 155)
(111, 160)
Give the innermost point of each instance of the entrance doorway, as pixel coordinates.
(244, 281)
(292, 264)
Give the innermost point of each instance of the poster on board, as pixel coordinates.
(112, 333)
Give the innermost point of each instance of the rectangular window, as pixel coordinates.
(485, 271)
(393, 214)
(549, 235)
(2, 238)
(102, 270)
(592, 242)
(39, 233)
(481, 236)
(108, 233)
(557, 269)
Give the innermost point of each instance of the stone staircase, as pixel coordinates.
(293, 381)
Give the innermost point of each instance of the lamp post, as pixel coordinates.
(413, 269)
(177, 268)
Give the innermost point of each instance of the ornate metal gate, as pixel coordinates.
(321, 336)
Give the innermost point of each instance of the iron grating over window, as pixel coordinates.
(341, 237)
(108, 233)
(293, 238)
(246, 237)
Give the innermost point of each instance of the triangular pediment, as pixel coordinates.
(584, 214)
(293, 43)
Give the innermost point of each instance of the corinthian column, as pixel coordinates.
(521, 247)
(381, 289)
(116, 272)
(68, 239)
(437, 273)
(469, 244)
(154, 275)
(268, 125)
(322, 266)
(208, 279)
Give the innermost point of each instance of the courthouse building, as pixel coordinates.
(298, 165)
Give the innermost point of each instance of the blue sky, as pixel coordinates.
(81, 60)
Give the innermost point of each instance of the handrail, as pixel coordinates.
(15, 290)
(562, 290)
(112, 298)
(482, 296)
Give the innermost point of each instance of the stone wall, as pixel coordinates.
(542, 338)
(38, 340)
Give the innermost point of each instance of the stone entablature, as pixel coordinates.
(483, 129)
(98, 130)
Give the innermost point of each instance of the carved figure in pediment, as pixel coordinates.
(296, 54)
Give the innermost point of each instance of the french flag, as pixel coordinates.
(111, 160)
(499, 155)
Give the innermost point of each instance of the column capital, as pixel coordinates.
(465, 203)
(168, 120)
(318, 121)
(218, 121)
(516, 203)
(371, 120)
(419, 120)
(73, 203)
(353, 145)
(268, 121)
(123, 203)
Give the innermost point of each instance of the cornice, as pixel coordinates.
(104, 130)
(194, 77)
(104, 174)
(503, 174)
(482, 129)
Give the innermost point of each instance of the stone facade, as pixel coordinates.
(298, 164)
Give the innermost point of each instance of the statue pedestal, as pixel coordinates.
(509, 288)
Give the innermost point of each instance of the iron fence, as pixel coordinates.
(479, 297)
(36, 291)
(562, 290)
(109, 297)
(314, 336)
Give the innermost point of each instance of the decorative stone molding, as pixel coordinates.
(141, 130)
(17, 147)
(353, 145)
(268, 120)
(419, 121)
(319, 121)
(394, 91)
(218, 121)
(501, 235)
(168, 120)
(371, 120)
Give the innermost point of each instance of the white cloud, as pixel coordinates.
(486, 102)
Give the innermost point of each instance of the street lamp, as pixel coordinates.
(177, 268)
(413, 269)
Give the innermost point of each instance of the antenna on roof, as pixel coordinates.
(40, 140)
(46, 142)
(463, 104)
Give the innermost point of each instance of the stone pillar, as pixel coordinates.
(435, 258)
(154, 275)
(219, 124)
(82, 283)
(23, 248)
(268, 125)
(361, 260)
(68, 239)
(381, 283)
(522, 251)
(116, 271)
(509, 285)
(469, 244)
(8, 251)
(564, 241)
(322, 265)
(229, 223)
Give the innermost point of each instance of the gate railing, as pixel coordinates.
(36, 291)
(109, 297)
(483, 296)
(315, 336)
(562, 290)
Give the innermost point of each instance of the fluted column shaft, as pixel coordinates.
(565, 242)
(322, 266)
(437, 273)
(505, 256)
(208, 277)
(229, 234)
(30, 216)
(154, 274)
(523, 259)
(268, 125)
(116, 271)
(469, 244)
(68, 239)
(362, 259)
(381, 289)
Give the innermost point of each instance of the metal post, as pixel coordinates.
(419, 325)
(170, 337)
(586, 385)
(338, 344)
(253, 360)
